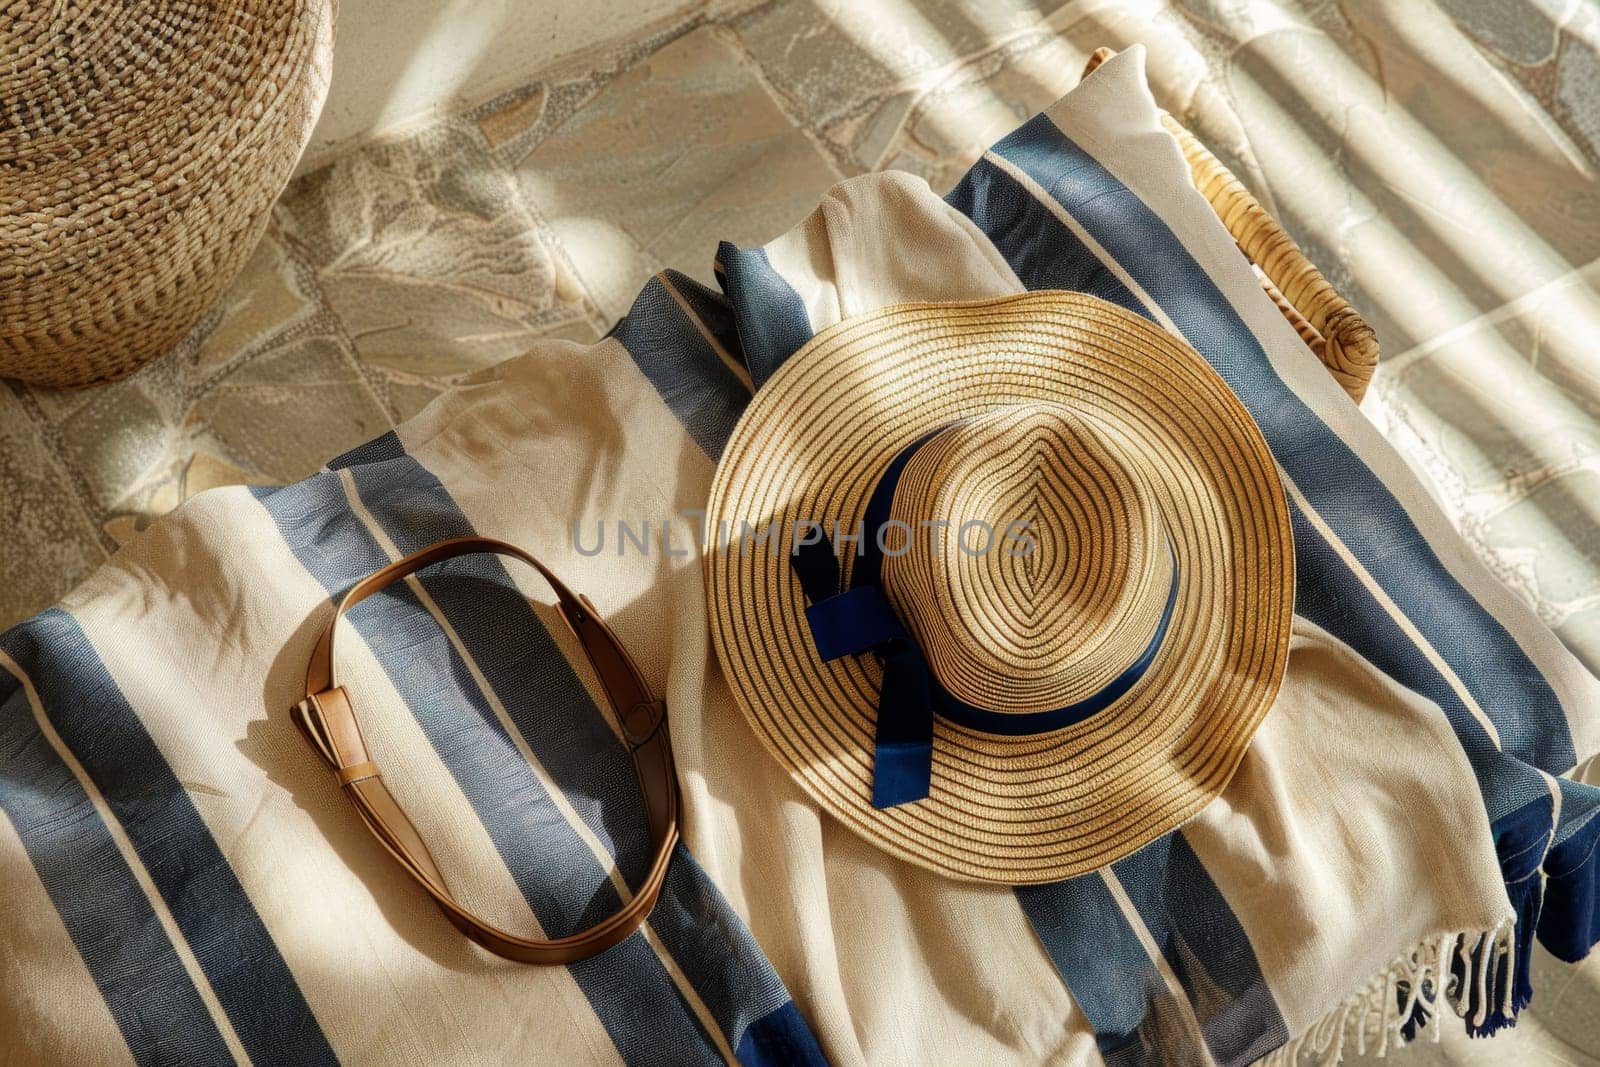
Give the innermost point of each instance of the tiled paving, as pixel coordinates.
(1438, 159)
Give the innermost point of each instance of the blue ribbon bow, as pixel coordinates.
(860, 620)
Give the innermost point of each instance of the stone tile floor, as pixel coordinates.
(1436, 157)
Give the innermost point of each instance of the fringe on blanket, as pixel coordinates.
(1479, 976)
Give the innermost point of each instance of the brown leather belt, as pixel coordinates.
(329, 723)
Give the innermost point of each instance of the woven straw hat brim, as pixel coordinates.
(142, 145)
(1009, 809)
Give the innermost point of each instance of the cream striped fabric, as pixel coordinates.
(184, 883)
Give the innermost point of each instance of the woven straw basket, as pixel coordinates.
(1333, 329)
(142, 144)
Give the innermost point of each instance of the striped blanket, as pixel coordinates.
(184, 883)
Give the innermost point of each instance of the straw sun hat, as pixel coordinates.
(1006, 586)
(142, 144)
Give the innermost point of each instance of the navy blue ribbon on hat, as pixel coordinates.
(859, 620)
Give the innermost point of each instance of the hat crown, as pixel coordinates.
(1037, 567)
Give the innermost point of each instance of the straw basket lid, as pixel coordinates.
(141, 146)
(1006, 586)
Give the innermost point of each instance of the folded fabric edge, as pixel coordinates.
(1569, 922)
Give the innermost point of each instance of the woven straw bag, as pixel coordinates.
(142, 144)
(1333, 329)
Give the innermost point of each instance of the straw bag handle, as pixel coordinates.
(1327, 323)
(328, 721)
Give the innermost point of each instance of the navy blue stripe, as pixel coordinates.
(552, 709)
(631, 993)
(777, 1039)
(1136, 1018)
(727, 968)
(104, 909)
(1353, 501)
(1043, 253)
(519, 658)
(688, 374)
(772, 318)
(713, 311)
(1569, 925)
(251, 981)
(1206, 948)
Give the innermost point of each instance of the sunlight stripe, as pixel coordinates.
(1054, 206)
